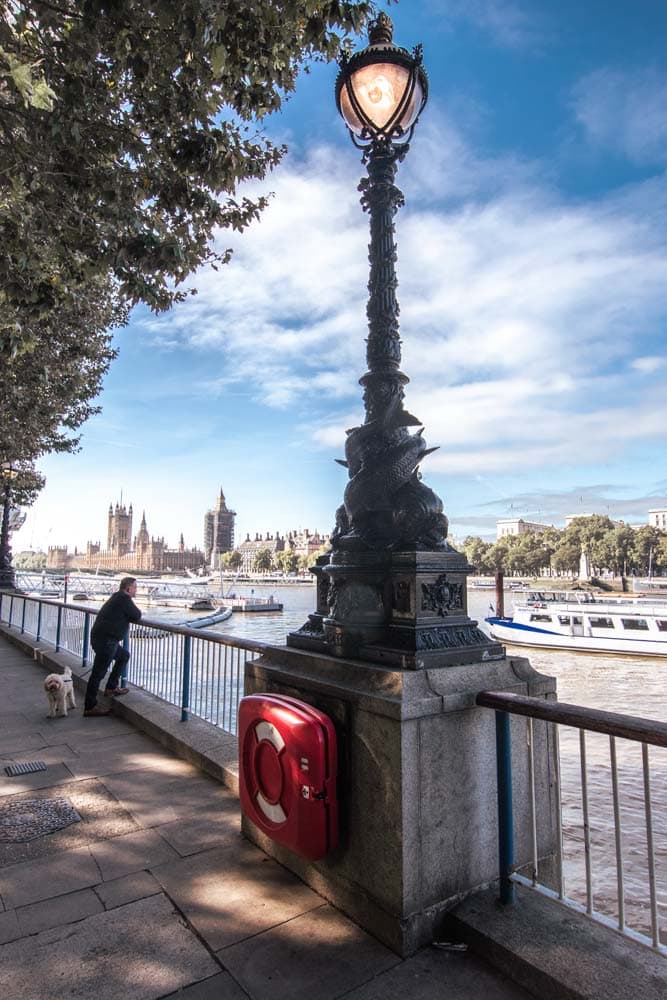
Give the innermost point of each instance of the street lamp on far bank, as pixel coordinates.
(8, 474)
(393, 589)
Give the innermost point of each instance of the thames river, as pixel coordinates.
(635, 686)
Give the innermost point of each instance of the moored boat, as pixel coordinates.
(582, 621)
(220, 616)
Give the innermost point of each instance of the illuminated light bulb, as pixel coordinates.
(380, 92)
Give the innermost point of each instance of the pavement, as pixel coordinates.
(123, 873)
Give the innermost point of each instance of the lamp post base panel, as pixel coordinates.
(407, 609)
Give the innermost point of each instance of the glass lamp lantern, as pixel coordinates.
(8, 473)
(382, 90)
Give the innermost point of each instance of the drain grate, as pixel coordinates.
(28, 768)
(28, 819)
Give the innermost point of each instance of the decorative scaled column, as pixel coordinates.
(393, 589)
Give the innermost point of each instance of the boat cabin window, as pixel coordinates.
(638, 624)
(540, 618)
(662, 625)
(601, 623)
(577, 620)
(564, 619)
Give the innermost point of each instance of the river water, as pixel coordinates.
(635, 686)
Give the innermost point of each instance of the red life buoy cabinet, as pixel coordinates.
(288, 767)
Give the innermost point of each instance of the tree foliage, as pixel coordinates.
(24, 488)
(287, 561)
(48, 393)
(619, 549)
(263, 561)
(126, 128)
(31, 561)
(231, 560)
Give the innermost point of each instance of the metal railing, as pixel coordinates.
(200, 672)
(588, 827)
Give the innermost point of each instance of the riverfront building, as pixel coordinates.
(657, 518)
(517, 526)
(249, 549)
(301, 542)
(143, 554)
(218, 531)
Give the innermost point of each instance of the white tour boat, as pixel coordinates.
(580, 620)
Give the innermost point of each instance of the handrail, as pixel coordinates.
(628, 727)
(612, 724)
(253, 645)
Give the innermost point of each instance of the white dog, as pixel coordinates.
(60, 693)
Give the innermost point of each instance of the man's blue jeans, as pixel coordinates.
(106, 650)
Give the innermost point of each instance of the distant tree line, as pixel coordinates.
(266, 561)
(31, 562)
(610, 547)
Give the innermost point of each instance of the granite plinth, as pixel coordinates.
(417, 784)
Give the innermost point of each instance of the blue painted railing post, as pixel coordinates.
(86, 639)
(39, 621)
(59, 626)
(505, 818)
(11, 610)
(126, 645)
(185, 700)
(23, 616)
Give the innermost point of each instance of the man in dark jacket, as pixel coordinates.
(107, 633)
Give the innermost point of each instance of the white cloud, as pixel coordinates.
(512, 24)
(520, 312)
(625, 112)
(649, 364)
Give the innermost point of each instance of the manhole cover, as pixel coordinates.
(29, 819)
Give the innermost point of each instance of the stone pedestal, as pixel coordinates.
(417, 784)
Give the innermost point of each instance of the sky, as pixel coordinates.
(532, 272)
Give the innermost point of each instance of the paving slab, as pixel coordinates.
(34, 880)
(156, 797)
(55, 774)
(433, 975)
(219, 826)
(9, 926)
(220, 987)
(320, 953)
(142, 950)
(55, 912)
(20, 741)
(131, 853)
(101, 814)
(131, 753)
(229, 894)
(138, 885)
(50, 754)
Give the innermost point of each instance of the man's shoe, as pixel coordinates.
(116, 691)
(96, 710)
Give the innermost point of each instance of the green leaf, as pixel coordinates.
(218, 59)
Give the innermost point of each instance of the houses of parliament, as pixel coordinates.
(145, 554)
(139, 554)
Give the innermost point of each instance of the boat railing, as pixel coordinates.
(605, 810)
(200, 672)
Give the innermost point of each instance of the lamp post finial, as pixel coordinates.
(381, 31)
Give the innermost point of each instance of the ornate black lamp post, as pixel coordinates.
(6, 572)
(392, 589)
